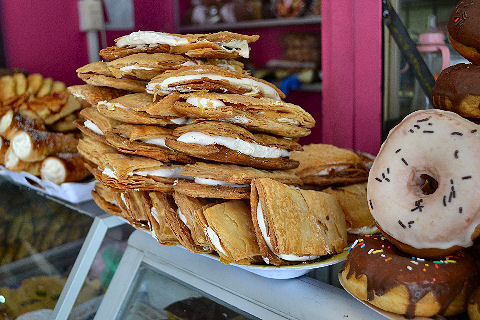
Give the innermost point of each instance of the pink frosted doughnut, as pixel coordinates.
(446, 147)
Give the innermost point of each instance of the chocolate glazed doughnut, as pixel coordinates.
(434, 149)
(457, 89)
(379, 273)
(463, 29)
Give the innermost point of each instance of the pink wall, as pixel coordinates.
(44, 36)
(352, 74)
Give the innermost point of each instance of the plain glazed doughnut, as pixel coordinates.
(428, 144)
(457, 89)
(377, 272)
(463, 29)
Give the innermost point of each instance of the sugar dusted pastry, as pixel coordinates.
(222, 44)
(94, 94)
(319, 223)
(230, 231)
(35, 145)
(323, 165)
(160, 229)
(7, 89)
(226, 181)
(255, 114)
(11, 123)
(189, 211)
(212, 78)
(177, 224)
(353, 200)
(145, 140)
(130, 109)
(226, 142)
(13, 163)
(64, 167)
(97, 74)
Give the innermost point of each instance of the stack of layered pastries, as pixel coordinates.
(37, 134)
(186, 144)
(343, 174)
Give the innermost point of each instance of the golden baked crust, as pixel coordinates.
(193, 189)
(318, 219)
(136, 204)
(189, 207)
(98, 74)
(256, 114)
(353, 200)
(336, 165)
(95, 94)
(221, 85)
(157, 218)
(231, 222)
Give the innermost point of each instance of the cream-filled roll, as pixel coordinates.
(222, 44)
(64, 167)
(319, 227)
(228, 143)
(214, 79)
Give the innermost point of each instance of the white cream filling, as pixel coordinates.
(77, 95)
(92, 126)
(122, 196)
(141, 38)
(53, 170)
(254, 86)
(109, 172)
(236, 144)
(112, 106)
(263, 229)
(115, 203)
(225, 64)
(213, 182)
(237, 119)
(191, 63)
(182, 218)
(164, 173)
(287, 120)
(127, 69)
(326, 172)
(180, 121)
(363, 230)
(22, 145)
(205, 103)
(215, 240)
(154, 213)
(155, 141)
(240, 46)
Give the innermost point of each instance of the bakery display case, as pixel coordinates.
(168, 281)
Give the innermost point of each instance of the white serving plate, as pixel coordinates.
(286, 272)
(384, 313)
(74, 192)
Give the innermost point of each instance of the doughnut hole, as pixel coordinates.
(423, 182)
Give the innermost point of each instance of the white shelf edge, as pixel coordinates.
(251, 24)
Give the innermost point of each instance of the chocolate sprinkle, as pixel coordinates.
(388, 170)
(371, 204)
(410, 223)
(466, 177)
(411, 130)
(444, 201)
(422, 120)
(398, 150)
(456, 133)
(386, 179)
(455, 154)
(383, 175)
(430, 124)
(379, 180)
(405, 161)
(473, 131)
(460, 210)
(401, 223)
(427, 131)
(417, 126)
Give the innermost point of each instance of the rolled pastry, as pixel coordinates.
(64, 167)
(12, 122)
(13, 163)
(34, 145)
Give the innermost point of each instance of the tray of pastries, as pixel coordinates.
(38, 141)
